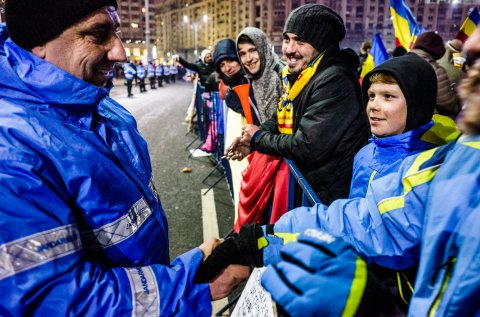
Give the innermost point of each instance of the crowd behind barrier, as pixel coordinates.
(212, 125)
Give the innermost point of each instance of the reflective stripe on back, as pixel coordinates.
(32, 251)
(145, 292)
(119, 230)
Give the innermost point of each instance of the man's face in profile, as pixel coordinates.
(88, 49)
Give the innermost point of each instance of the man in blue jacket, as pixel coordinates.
(83, 232)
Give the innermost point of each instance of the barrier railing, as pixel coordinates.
(211, 124)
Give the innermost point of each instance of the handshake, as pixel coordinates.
(228, 263)
(298, 277)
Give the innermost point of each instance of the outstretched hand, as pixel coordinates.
(239, 248)
(228, 280)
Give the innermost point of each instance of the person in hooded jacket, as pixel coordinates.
(83, 231)
(429, 46)
(401, 133)
(203, 67)
(263, 69)
(319, 122)
(263, 196)
(448, 280)
(400, 101)
(230, 74)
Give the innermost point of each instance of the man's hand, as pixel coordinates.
(208, 246)
(247, 133)
(242, 248)
(224, 283)
(237, 150)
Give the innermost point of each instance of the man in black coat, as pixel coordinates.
(320, 123)
(204, 66)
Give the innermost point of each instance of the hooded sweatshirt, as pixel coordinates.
(266, 84)
(382, 156)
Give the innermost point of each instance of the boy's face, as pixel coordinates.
(386, 109)
(229, 67)
(249, 57)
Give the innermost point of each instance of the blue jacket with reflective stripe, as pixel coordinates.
(129, 71)
(375, 222)
(383, 156)
(83, 231)
(450, 256)
(386, 225)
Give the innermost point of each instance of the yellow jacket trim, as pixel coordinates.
(443, 131)
(413, 178)
(358, 288)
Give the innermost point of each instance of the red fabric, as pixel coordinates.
(222, 89)
(264, 176)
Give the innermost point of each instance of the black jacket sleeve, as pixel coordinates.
(332, 105)
(188, 65)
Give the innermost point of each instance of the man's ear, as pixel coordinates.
(39, 51)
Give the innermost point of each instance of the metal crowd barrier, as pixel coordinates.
(210, 115)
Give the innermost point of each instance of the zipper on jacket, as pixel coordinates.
(449, 268)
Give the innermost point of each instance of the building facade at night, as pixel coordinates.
(363, 18)
(188, 26)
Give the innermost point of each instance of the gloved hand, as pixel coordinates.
(319, 276)
(244, 248)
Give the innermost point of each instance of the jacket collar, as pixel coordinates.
(406, 140)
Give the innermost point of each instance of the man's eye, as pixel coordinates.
(98, 36)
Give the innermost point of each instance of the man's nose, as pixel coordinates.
(117, 51)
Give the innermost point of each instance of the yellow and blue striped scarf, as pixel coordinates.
(285, 105)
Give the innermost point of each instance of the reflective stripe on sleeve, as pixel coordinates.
(119, 230)
(32, 251)
(414, 177)
(145, 292)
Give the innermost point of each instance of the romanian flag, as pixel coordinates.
(404, 24)
(469, 25)
(377, 55)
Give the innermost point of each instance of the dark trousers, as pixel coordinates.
(172, 77)
(152, 82)
(160, 80)
(142, 84)
(129, 87)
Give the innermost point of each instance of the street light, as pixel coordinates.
(195, 30)
(147, 31)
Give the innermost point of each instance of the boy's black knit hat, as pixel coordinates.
(33, 23)
(318, 25)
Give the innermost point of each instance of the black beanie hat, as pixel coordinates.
(431, 43)
(32, 23)
(224, 49)
(418, 83)
(318, 25)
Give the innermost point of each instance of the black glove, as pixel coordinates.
(242, 248)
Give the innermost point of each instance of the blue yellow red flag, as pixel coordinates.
(469, 25)
(404, 24)
(377, 55)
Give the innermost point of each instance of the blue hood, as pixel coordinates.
(25, 77)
